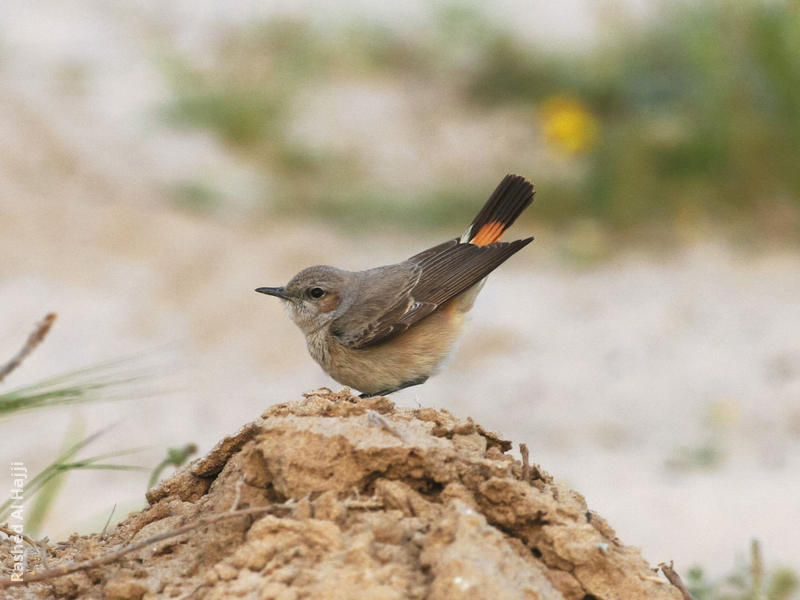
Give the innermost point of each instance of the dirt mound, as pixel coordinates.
(334, 497)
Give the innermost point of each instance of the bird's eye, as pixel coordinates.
(316, 293)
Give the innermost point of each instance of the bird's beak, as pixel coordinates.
(279, 292)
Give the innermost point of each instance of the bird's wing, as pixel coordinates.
(457, 268)
(394, 298)
(383, 297)
(420, 258)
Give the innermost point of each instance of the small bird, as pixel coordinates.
(391, 327)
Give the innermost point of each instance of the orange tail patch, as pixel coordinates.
(509, 199)
(489, 233)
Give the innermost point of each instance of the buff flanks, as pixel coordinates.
(509, 199)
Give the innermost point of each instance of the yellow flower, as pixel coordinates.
(568, 124)
(725, 413)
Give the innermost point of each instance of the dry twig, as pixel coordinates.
(526, 465)
(40, 547)
(34, 339)
(238, 495)
(675, 579)
(25, 538)
(323, 391)
(367, 503)
(378, 420)
(108, 521)
(114, 556)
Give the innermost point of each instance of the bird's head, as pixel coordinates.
(315, 296)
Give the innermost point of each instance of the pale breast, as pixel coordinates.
(413, 355)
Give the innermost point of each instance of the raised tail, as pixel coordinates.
(512, 196)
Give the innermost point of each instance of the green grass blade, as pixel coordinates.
(51, 484)
(112, 380)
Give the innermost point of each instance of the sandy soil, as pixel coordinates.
(357, 500)
(606, 371)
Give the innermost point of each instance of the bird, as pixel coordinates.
(391, 327)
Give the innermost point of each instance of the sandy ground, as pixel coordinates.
(607, 371)
(394, 504)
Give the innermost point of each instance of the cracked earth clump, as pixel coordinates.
(370, 502)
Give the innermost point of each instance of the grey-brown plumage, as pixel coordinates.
(390, 327)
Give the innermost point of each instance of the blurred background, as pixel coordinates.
(158, 161)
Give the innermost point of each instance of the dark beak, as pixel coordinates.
(279, 292)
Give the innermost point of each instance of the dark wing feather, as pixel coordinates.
(459, 267)
(421, 258)
(408, 292)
